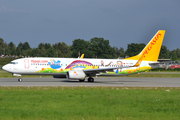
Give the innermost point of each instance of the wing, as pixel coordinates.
(102, 70)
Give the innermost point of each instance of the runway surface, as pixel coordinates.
(101, 81)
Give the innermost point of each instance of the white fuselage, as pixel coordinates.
(54, 66)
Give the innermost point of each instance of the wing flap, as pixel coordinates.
(104, 70)
(101, 70)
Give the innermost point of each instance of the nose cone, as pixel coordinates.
(4, 67)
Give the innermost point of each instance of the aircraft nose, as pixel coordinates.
(4, 67)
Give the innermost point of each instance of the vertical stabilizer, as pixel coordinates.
(152, 49)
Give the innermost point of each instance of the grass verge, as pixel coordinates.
(89, 103)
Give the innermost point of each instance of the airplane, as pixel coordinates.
(79, 69)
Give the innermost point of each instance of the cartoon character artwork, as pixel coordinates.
(79, 64)
(110, 63)
(54, 65)
(102, 63)
(119, 63)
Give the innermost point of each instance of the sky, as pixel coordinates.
(121, 22)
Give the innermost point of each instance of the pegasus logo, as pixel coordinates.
(153, 42)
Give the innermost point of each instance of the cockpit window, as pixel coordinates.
(13, 63)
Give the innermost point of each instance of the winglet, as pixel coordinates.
(82, 56)
(139, 62)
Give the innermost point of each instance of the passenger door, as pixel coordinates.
(26, 63)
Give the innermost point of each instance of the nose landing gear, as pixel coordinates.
(20, 79)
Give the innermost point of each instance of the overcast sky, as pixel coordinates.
(120, 21)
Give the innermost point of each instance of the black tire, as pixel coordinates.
(80, 80)
(20, 79)
(90, 79)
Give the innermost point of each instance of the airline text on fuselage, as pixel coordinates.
(39, 61)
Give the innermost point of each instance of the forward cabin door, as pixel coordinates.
(26, 64)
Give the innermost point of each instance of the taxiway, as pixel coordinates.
(100, 81)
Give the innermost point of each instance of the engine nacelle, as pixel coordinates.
(76, 74)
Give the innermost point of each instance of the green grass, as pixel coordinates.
(89, 103)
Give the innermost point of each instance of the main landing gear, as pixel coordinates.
(20, 79)
(90, 79)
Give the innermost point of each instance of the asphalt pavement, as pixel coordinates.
(100, 81)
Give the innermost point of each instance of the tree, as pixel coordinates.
(51, 52)
(134, 49)
(3, 46)
(178, 52)
(19, 49)
(164, 53)
(24, 49)
(62, 49)
(95, 48)
(43, 53)
(41, 45)
(47, 45)
(119, 52)
(174, 55)
(12, 48)
(82, 46)
(25, 46)
(43, 50)
(27, 52)
(36, 52)
(1, 42)
(101, 48)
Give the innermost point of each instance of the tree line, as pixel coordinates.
(94, 48)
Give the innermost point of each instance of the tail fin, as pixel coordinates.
(152, 49)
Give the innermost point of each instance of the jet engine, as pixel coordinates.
(76, 74)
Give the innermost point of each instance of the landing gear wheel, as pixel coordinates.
(80, 80)
(90, 79)
(20, 79)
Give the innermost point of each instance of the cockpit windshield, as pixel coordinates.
(13, 63)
